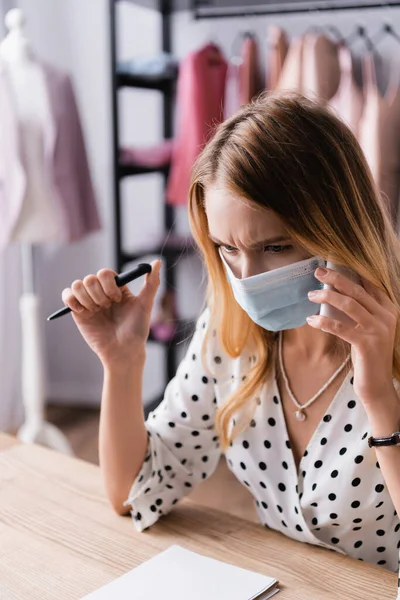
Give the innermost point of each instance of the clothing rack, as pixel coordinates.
(171, 246)
(207, 9)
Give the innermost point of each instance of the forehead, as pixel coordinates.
(230, 215)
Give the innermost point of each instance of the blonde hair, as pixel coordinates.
(290, 155)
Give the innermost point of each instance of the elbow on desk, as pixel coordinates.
(122, 511)
(117, 499)
(117, 489)
(118, 507)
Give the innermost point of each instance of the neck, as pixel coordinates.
(16, 50)
(310, 345)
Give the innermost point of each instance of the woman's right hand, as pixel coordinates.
(114, 323)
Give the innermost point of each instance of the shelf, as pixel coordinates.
(177, 5)
(213, 9)
(242, 7)
(155, 4)
(185, 329)
(163, 84)
(131, 170)
(174, 245)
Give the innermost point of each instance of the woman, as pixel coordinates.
(290, 396)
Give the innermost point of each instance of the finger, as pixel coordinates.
(107, 281)
(150, 287)
(380, 296)
(348, 305)
(352, 289)
(96, 292)
(335, 327)
(70, 300)
(83, 297)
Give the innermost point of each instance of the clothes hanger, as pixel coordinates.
(387, 26)
(336, 33)
(235, 55)
(394, 76)
(360, 32)
(323, 29)
(213, 40)
(314, 29)
(387, 29)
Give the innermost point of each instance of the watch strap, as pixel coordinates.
(392, 440)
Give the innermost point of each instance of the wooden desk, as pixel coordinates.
(6, 441)
(59, 538)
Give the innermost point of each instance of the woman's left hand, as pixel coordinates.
(372, 338)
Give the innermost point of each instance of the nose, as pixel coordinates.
(249, 267)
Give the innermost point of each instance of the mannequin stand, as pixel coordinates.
(35, 429)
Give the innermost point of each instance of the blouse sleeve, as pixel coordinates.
(182, 447)
(398, 581)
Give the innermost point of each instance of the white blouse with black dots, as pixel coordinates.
(338, 499)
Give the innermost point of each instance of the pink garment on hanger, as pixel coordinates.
(278, 46)
(12, 175)
(348, 101)
(200, 101)
(291, 76)
(242, 79)
(70, 165)
(249, 70)
(311, 67)
(379, 134)
(150, 156)
(65, 158)
(232, 88)
(320, 68)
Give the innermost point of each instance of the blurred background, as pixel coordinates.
(104, 105)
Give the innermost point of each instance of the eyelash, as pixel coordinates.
(282, 248)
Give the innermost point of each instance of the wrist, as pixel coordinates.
(384, 422)
(125, 366)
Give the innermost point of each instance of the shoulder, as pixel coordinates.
(207, 344)
(205, 336)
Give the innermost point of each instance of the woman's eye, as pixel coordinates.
(228, 249)
(277, 249)
(271, 249)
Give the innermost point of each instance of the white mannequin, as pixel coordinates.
(37, 222)
(38, 219)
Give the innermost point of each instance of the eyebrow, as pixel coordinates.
(269, 242)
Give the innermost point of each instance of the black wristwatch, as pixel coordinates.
(393, 440)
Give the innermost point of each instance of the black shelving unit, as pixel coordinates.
(171, 246)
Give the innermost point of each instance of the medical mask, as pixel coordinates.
(277, 299)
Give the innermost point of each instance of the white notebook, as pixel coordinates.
(179, 574)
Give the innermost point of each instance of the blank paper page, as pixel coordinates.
(180, 574)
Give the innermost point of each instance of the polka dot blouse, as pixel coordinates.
(338, 499)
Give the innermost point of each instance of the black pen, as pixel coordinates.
(121, 279)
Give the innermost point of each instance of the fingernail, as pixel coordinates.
(310, 319)
(312, 294)
(321, 272)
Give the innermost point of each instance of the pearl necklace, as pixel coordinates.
(300, 414)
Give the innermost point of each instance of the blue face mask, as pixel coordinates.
(277, 299)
